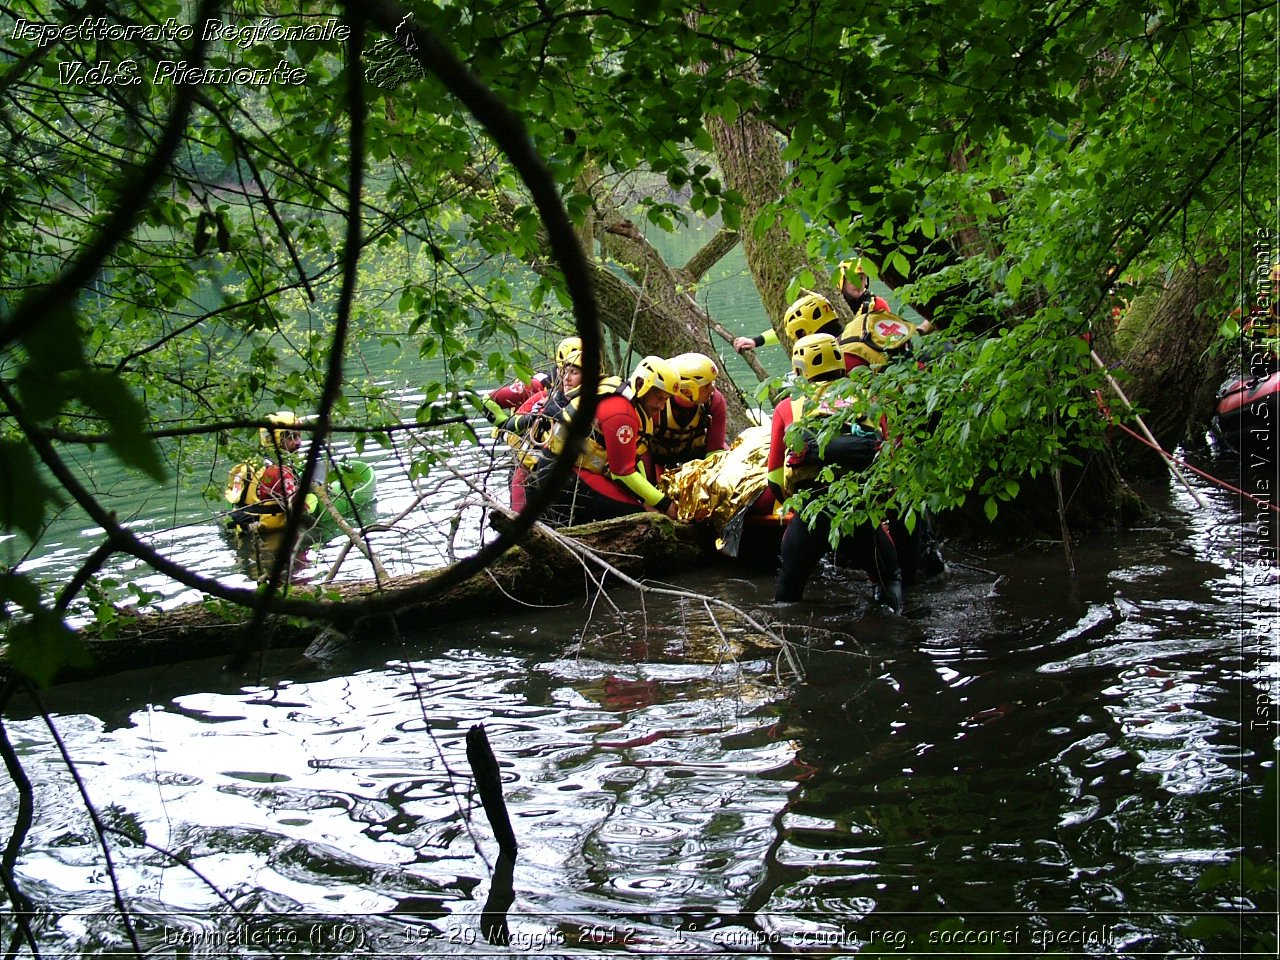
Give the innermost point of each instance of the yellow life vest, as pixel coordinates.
(593, 456)
(268, 487)
(674, 442)
(877, 337)
(242, 485)
(249, 484)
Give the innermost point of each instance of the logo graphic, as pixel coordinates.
(626, 434)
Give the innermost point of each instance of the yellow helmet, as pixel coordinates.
(810, 314)
(817, 354)
(653, 373)
(854, 264)
(287, 427)
(569, 351)
(696, 371)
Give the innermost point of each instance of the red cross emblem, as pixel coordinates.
(626, 434)
(890, 329)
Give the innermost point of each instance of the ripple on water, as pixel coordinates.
(1025, 741)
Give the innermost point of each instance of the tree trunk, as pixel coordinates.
(656, 312)
(540, 571)
(751, 160)
(749, 153)
(1169, 352)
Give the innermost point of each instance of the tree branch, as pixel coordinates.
(711, 253)
(133, 193)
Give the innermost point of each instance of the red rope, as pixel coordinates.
(1182, 463)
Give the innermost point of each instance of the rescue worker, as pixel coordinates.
(855, 286)
(568, 379)
(813, 313)
(874, 336)
(857, 294)
(692, 423)
(285, 435)
(612, 475)
(529, 428)
(499, 404)
(809, 313)
(261, 492)
(819, 359)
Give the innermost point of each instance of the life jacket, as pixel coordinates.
(242, 485)
(877, 337)
(674, 442)
(261, 495)
(851, 451)
(526, 443)
(593, 456)
(269, 485)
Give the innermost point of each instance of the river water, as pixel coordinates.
(1022, 762)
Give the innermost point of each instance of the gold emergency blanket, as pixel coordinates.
(719, 487)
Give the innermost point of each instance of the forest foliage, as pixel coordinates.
(176, 259)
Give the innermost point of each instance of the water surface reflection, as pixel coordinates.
(1021, 761)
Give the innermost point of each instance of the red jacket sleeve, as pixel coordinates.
(717, 415)
(852, 360)
(533, 402)
(515, 393)
(777, 438)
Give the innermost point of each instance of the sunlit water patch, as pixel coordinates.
(1024, 756)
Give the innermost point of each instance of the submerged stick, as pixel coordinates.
(484, 767)
(493, 916)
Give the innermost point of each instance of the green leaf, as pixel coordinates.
(23, 493)
(1013, 281)
(43, 392)
(53, 346)
(105, 392)
(53, 343)
(18, 588)
(731, 214)
(41, 647)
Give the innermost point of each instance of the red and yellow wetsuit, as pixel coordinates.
(614, 462)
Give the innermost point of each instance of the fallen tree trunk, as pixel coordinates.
(1174, 375)
(539, 571)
